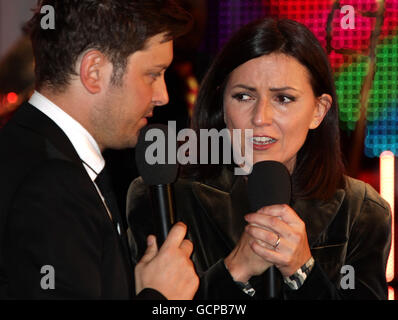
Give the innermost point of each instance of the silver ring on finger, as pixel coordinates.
(277, 241)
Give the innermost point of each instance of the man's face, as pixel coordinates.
(123, 110)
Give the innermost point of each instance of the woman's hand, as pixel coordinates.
(282, 238)
(243, 263)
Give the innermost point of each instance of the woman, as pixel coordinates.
(274, 77)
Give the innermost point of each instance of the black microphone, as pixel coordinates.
(269, 183)
(158, 176)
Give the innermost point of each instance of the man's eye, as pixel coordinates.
(242, 97)
(155, 75)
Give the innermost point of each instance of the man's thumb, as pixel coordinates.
(151, 250)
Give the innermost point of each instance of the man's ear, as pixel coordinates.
(323, 104)
(94, 69)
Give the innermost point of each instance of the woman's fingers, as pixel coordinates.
(279, 236)
(283, 211)
(263, 235)
(273, 223)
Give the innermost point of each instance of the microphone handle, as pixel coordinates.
(163, 209)
(271, 290)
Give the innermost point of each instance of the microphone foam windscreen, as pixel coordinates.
(269, 183)
(157, 148)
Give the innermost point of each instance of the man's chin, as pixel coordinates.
(121, 145)
(130, 144)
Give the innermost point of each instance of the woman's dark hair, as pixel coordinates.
(117, 28)
(319, 168)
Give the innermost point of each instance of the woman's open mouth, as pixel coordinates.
(262, 142)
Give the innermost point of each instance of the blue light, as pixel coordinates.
(382, 134)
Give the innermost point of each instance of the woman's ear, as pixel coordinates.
(93, 71)
(323, 104)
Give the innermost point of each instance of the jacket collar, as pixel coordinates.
(57, 142)
(318, 215)
(225, 201)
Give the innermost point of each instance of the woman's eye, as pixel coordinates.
(242, 97)
(283, 99)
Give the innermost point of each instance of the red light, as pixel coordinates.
(12, 98)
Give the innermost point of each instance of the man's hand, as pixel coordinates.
(168, 270)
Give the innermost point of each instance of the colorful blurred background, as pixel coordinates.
(360, 37)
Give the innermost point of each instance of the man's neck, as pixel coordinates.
(75, 105)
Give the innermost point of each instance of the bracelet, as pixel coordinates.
(246, 288)
(296, 280)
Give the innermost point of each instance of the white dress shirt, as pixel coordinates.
(83, 142)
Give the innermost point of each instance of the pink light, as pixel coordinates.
(387, 192)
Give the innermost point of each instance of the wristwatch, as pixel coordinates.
(296, 280)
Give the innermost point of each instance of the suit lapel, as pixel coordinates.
(57, 143)
(225, 202)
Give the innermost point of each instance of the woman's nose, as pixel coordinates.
(263, 113)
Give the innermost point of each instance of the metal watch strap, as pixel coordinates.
(296, 280)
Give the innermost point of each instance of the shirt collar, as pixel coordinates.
(83, 142)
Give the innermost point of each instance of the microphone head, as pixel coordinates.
(146, 151)
(269, 183)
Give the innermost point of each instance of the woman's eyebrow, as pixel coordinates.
(252, 89)
(283, 89)
(244, 87)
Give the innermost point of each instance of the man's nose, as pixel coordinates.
(161, 96)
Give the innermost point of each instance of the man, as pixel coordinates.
(99, 75)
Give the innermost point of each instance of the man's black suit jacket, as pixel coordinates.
(52, 215)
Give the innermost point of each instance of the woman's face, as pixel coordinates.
(273, 96)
